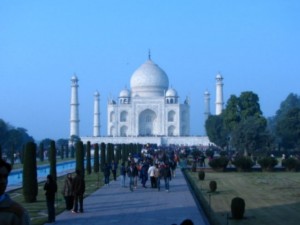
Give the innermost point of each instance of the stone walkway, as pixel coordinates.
(114, 205)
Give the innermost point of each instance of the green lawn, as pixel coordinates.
(271, 197)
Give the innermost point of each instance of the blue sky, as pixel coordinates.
(254, 44)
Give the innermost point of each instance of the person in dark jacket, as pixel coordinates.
(11, 212)
(51, 188)
(78, 187)
(106, 173)
(67, 192)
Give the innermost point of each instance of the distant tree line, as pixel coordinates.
(243, 128)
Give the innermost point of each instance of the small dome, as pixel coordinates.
(219, 77)
(171, 92)
(149, 80)
(74, 78)
(96, 94)
(125, 93)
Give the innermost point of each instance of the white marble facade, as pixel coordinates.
(149, 108)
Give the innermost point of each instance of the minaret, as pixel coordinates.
(96, 126)
(206, 108)
(74, 119)
(219, 94)
(206, 105)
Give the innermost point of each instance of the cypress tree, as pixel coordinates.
(72, 152)
(52, 159)
(30, 183)
(80, 157)
(109, 152)
(41, 152)
(88, 158)
(123, 149)
(0, 152)
(96, 158)
(67, 151)
(102, 155)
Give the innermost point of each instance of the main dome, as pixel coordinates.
(149, 80)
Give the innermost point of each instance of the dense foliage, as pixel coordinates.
(13, 138)
(267, 163)
(219, 163)
(80, 157)
(243, 163)
(52, 160)
(88, 158)
(30, 182)
(241, 126)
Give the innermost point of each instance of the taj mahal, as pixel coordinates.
(149, 112)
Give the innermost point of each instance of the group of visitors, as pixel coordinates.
(157, 167)
(73, 190)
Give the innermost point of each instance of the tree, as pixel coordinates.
(88, 158)
(288, 129)
(80, 157)
(249, 134)
(216, 130)
(52, 160)
(96, 158)
(30, 183)
(103, 155)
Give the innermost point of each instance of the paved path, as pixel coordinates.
(114, 205)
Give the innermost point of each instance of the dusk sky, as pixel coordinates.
(254, 44)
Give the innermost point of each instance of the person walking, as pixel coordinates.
(123, 174)
(157, 176)
(78, 187)
(106, 173)
(114, 167)
(51, 188)
(11, 212)
(167, 174)
(67, 192)
(151, 175)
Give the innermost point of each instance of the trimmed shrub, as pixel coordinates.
(213, 186)
(291, 164)
(80, 157)
(267, 163)
(96, 158)
(237, 208)
(88, 158)
(243, 163)
(30, 182)
(201, 175)
(219, 163)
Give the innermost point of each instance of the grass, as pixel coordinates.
(271, 197)
(38, 210)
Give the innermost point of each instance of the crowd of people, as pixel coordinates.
(152, 167)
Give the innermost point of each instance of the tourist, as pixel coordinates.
(114, 167)
(51, 188)
(11, 212)
(151, 175)
(157, 176)
(106, 174)
(78, 186)
(123, 174)
(167, 176)
(130, 172)
(67, 192)
(144, 174)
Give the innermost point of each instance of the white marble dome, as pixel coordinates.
(149, 80)
(125, 93)
(171, 92)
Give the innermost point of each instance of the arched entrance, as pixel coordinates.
(147, 123)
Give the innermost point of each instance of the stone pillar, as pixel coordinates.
(96, 125)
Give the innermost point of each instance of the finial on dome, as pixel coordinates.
(149, 54)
